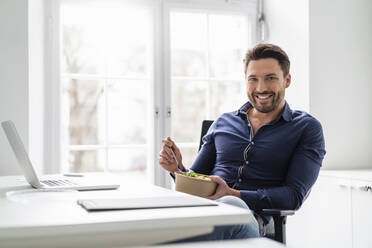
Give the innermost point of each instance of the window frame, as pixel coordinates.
(160, 100)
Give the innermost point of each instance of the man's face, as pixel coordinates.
(266, 84)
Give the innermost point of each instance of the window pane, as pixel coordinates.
(83, 33)
(130, 39)
(87, 161)
(127, 160)
(127, 112)
(110, 39)
(226, 97)
(189, 154)
(188, 109)
(188, 44)
(100, 38)
(84, 109)
(228, 41)
(227, 64)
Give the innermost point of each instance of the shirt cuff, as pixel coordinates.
(250, 198)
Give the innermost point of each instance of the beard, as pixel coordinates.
(276, 99)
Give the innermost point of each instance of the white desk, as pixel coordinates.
(57, 221)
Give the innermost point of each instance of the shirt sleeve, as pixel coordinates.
(302, 173)
(206, 158)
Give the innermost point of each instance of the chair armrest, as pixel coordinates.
(277, 212)
(280, 219)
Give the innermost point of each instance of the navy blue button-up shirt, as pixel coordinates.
(281, 162)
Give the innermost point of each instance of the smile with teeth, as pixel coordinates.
(264, 97)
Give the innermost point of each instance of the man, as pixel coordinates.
(264, 154)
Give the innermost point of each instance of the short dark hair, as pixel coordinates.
(263, 51)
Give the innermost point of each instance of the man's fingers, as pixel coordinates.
(166, 158)
(212, 197)
(175, 147)
(164, 162)
(169, 153)
(163, 154)
(168, 142)
(166, 152)
(216, 179)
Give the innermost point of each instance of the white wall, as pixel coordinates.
(13, 77)
(288, 27)
(22, 79)
(329, 44)
(340, 79)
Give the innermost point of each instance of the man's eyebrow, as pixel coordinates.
(252, 75)
(270, 74)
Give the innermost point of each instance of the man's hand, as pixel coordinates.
(222, 189)
(166, 158)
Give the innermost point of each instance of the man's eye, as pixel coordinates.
(270, 78)
(252, 79)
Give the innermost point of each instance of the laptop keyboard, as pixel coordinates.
(58, 182)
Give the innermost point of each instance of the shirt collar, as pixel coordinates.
(286, 114)
(243, 109)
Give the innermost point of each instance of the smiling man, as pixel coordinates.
(264, 155)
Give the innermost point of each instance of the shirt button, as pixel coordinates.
(252, 143)
(246, 162)
(239, 180)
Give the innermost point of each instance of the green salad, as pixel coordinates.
(196, 175)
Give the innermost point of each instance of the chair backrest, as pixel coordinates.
(205, 126)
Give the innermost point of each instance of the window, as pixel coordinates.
(133, 72)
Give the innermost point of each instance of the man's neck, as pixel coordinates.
(266, 117)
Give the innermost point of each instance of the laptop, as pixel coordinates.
(51, 181)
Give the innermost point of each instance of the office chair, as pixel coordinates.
(279, 215)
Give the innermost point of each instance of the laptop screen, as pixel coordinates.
(20, 153)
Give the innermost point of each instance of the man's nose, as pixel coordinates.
(261, 86)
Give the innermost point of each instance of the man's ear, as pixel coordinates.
(287, 80)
